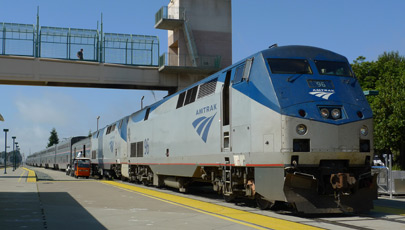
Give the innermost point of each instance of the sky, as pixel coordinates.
(351, 28)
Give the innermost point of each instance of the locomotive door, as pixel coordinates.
(235, 110)
(240, 109)
(225, 115)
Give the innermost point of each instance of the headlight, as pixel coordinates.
(336, 114)
(301, 129)
(364, 130)
(325, 113)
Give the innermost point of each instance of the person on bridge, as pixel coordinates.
(80, 54)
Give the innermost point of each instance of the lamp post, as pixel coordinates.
(17, 149)
(15, 155)
(13, 152)
(98, 117)
(5, 151)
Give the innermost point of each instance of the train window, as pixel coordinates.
(248, 67)
(238, 74)
(333, 68)
(120, 125)
(191, 95)
(289, 66)
(207, 88)
(112, 128)
(180, 101)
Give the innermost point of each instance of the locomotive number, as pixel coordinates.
(320, 84)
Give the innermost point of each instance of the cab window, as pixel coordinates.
(289, 66)
(333, 68)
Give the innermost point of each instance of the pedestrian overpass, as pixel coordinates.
(20, 70)
(199, 44)
(46, 56)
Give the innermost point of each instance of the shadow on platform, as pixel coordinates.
(48, 210)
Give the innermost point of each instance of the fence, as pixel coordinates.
(390, 182)
(64, 43)
(130, 49)
(17, 39)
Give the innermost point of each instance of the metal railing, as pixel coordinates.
(176, 13)
(130, 49)
(390, 182)
(64, 43)
(186, 61)
(17, 39)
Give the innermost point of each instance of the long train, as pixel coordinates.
(286, 124)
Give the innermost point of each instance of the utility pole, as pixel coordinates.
(5, 151)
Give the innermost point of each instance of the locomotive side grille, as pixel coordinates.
(133, 150)
(207, 88)
(137, 149)
(180, 100)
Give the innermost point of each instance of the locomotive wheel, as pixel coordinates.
(262, 203)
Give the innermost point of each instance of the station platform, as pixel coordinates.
(20, 206)
(57, 201)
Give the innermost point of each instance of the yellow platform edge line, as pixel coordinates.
(250, 219)
(22, 174)
(32, 177)
(389, 210)
(191, 208)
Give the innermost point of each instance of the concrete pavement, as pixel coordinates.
(20, 206)
(57, 201)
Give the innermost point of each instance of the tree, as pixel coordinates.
(387, 75)
(53, 139)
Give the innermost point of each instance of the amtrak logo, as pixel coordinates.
(322, 93)
(202, 126)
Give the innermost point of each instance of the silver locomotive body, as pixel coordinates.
(287, 124)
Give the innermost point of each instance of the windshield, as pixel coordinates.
(333, 68)
(289, 66)
(83, 163)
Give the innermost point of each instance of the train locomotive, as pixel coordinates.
(288, 124)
